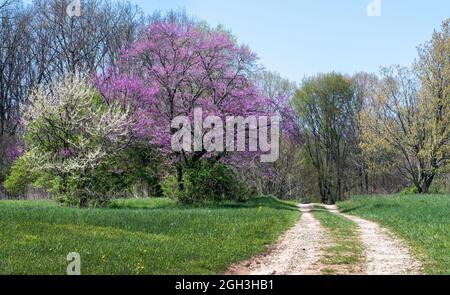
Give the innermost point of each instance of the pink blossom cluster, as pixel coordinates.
(175, 68)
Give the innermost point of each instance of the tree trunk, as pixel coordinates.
(424, 183)
(83, 202)
(366, 180)
(180, 177)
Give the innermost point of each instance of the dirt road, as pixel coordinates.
(299, 250)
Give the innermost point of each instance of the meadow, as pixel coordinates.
(138, 236)
(423, 221)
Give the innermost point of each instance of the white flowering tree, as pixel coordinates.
(70, 131)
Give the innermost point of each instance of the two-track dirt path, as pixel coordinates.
(385, 254)
(299, 250)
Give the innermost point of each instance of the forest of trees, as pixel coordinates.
(86, 104)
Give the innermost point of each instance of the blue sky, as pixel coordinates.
(304, 37)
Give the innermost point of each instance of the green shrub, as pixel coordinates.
(409, 191)
(170, 187)
(205, 182)
(439, 186)
(120, 173)
(24, 173)
(19, 177)
(115, 177)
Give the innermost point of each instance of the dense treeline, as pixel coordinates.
(368, 133)
(40, 44)
(86, 105)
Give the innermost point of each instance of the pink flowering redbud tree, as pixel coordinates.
(174, 69)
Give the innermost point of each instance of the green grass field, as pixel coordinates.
(423, 221)
(149, 236)
(345, 255)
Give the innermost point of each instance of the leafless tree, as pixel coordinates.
(40, 43)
